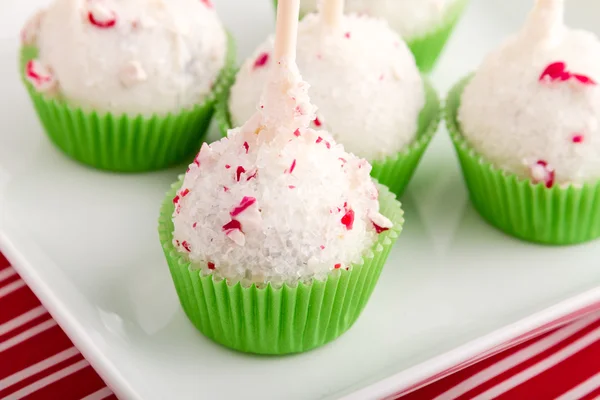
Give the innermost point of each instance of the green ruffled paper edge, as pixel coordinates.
(394, 171)
(532, 212)
(428, 47)
(123, 143)
(277, 321)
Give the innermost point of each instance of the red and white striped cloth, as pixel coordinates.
(39, 362)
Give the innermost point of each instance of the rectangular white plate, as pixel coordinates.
(453, 288)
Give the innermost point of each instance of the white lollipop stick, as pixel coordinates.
(332, 12)
(546, 21)
(286, 30)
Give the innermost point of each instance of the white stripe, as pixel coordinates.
(29, 333)
(517, 358)
(99, 395)
(22, 319)
(38, 367)
(50, 379)
(11, 287)
(7, 273)
(582, 389)
(542, 366)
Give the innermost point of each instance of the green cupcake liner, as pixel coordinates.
(277, 320)
(427, 48)
(394, 171)
(124, 143)
(518, 207)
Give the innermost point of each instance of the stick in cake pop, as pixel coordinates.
(546, 22)
(286, 30)
(332, 12)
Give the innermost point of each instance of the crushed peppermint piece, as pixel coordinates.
(39, 76)
(337, 266)
(261, 60)
(231, 225)
(347, 35)
(101, 17)
(244, 204)
(557, 71)
(292, 187)
(577, 138)
(207, 3)
(246, 147)
(252, 175)
(297, 133)
(348, 219)
(542, 172)
(317, 122)
(186, 246)
(195, 225)
(238, 173)
(227, 166)
(210, 265)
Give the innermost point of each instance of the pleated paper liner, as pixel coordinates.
(272, 320)
(123, 143)
(428, 47)
(394, 171)
(518, 207)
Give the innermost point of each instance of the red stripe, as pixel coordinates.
(594, 394)
(533, 360)
(28, 325)
(40, 375)
(33, 350)
(17, 303)
(561, 378)
(3, 262)
(74, 387)
(439, 387)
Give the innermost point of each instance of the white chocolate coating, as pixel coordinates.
(130, 56)
(533, 106)
(363, 78)
(277, 201)
(410, 18)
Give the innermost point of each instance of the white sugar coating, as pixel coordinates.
(277, 201)
(130, 56)
(410, 18)
(364, 81)
(528, 113)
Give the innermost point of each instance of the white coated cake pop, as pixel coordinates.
(533, 106)
(127, 56)
(277, 201)
(363, 78)
(410, 18)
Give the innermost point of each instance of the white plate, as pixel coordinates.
(454, 287)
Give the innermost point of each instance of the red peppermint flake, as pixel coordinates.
(338, 266)
(186, 246)
(292, 167)
(225, 189)
(176, 199)
(232, 225)
(246, 147)
(195, 225)
(320, 139)
(252, 176)
(317, 122)
(577, 138)
(379, 229)
(100, 19)
(542, 172)
(322, 247)
(586, 80)
(347, 35)
(177, 243)
(261, 60)
(227, 166)
(238, 173)
(244, 204)
(343, 160)
(292, 187)
(211, 265)
(33, 74)
(209, 4)
(297, 133)
(185, 193)
(557, 71)
(348, 219)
